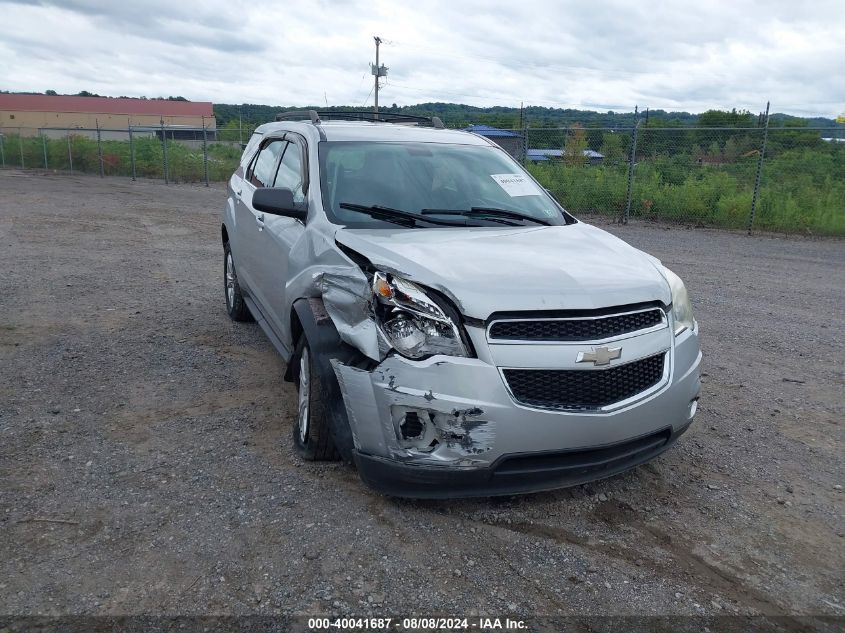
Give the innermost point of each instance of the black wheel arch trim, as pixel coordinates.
(325, 344)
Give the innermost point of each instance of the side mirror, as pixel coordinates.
(278, 202)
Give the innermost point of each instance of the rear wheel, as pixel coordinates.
(235, 304)
(311, 433)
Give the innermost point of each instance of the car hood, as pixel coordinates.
(486, 270)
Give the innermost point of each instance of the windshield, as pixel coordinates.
(451, 184)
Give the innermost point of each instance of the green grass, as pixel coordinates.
(803, 185)
(802, 190)
(185, 162)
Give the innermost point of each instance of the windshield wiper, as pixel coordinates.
(397, 216)
(480, 212)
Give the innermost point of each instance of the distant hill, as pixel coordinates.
(458, 115)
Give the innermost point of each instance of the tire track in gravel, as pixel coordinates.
(680, 548)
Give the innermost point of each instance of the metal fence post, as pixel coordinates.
(759, 172)
(630, 194)
(205, 151)
(69, 153)
(20, 145)
(100, 150)
(44, 147)
(164, 151)
(131, 150)
(524, 144)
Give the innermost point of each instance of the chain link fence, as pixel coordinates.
(780, 179)
(168, 153)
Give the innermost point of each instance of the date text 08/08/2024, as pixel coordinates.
(416, 624)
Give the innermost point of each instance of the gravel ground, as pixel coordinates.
(146, 463)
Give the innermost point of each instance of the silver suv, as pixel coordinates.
(452, 330)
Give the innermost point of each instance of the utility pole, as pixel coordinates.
(378, 71)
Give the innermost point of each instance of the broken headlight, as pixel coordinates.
(681, 306)
(413, 323)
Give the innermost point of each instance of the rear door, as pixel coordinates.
(280, 234)
(250, 223)
(233, 203)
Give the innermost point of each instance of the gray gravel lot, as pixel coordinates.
(146, 465)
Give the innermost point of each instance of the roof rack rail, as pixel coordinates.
(299, 114)
(318, 117)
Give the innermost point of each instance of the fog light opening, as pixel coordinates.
(415, 428)
(412, 426)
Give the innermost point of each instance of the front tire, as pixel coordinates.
(235, 304)
(311, 433)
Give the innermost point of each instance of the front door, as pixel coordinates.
(251, 223)
(279, 236)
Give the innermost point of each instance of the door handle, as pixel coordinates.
(259, 219)
(238, 193)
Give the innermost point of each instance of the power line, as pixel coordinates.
(361, 82)
(503, 99)
(367, 99)
(510, 62)
(524, 63)
(441, 92)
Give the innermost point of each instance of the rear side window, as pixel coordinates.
(249, 150)
(265, 164)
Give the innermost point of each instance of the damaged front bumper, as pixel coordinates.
(449, 427)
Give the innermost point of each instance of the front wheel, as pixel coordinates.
(311, 433)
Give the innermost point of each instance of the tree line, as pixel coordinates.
(458, 115)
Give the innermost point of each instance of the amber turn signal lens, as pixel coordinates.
(382, 288)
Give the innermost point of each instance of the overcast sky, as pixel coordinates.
(593, 54)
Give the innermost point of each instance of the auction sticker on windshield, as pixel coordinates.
(516, 184)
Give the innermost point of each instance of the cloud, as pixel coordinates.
(199, 24)
(599, 55)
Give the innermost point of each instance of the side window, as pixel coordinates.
(262, 170)
(290, 172)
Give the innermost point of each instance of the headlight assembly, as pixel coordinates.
(413, 323)
(681, 306)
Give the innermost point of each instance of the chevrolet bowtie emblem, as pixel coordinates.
(600, 355)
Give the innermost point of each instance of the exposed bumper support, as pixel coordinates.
(512, 474)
